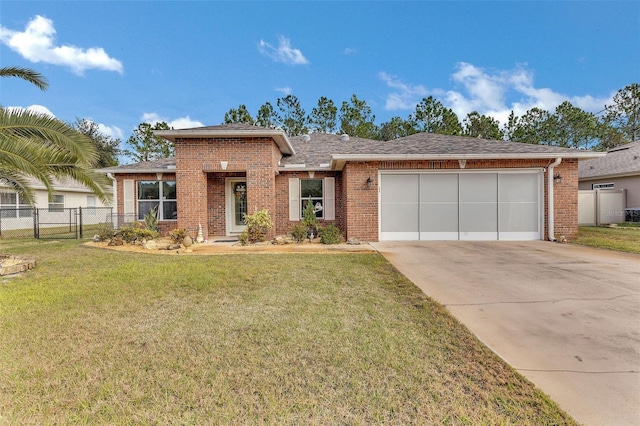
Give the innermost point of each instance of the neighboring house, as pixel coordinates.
(68, 194)
(420, 187)
(619, 169)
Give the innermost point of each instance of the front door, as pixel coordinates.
(236, 204)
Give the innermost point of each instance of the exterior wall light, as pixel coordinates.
(557, 178)
(369, 182)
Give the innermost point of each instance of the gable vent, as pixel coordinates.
(344, 137)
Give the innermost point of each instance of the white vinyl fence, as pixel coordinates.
(601, 206)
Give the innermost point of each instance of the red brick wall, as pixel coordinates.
(281, 219)
(565, 200)
(361, 202)
(256, 158)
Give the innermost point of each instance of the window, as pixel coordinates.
(158, 195)
(57, 203)
(91, 204)
(10, 208)
(320, 191)
(602, 186)
(311, 190)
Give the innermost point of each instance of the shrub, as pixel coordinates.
(299, 232)
(330, 235)
(178, 234)
(309, 218)
(136, 231)
(243, 238)
(105, 231)
(257, 225)
(151, 219)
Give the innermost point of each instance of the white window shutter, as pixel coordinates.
(128, 198)
(294, 199)
(330, 198)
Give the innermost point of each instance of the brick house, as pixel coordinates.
(420, 187)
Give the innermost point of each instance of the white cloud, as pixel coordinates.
(177, 123)
(286, 90)
(111, 131)
(491, 92)
(36, 44)
(349, 51)
(405, 96)
(40, 109)
(283, 53)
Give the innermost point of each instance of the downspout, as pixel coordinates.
(550, 209)
(115, 196)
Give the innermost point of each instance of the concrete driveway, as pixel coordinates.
(566, 317)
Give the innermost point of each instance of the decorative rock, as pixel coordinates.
(10, 265)
(187, 241)
(353, 241)
(174, 247)
(96, 238)
(149, 245)
(280, 240)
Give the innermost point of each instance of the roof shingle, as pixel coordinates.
(621, 160)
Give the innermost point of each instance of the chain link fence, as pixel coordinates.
(55, 223)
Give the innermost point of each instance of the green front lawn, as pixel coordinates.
(621, 238)
(104, 337)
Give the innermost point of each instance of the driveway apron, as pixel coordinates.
(566, 317)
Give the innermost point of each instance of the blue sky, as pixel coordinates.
(121, 63)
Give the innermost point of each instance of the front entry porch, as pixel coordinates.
(227, 202)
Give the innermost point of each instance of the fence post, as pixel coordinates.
(36, 234)
(80, 219)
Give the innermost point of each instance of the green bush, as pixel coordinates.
(257, 225)
(243, 238)
(136, 231)
(330, 235)
(309, 218)
(105, 231)
(151, 219)
(178, 234)
(299, 232)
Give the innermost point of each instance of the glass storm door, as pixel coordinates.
(237, 196)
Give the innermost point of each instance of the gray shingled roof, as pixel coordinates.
(322, 150)
(167, 165)
(622, 160)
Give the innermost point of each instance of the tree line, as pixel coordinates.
(567, 126)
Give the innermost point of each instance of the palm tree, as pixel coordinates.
(34, 145)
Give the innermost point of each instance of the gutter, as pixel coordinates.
(338, 161)
(550, 209)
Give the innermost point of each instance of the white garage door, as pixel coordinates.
(461, 206)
